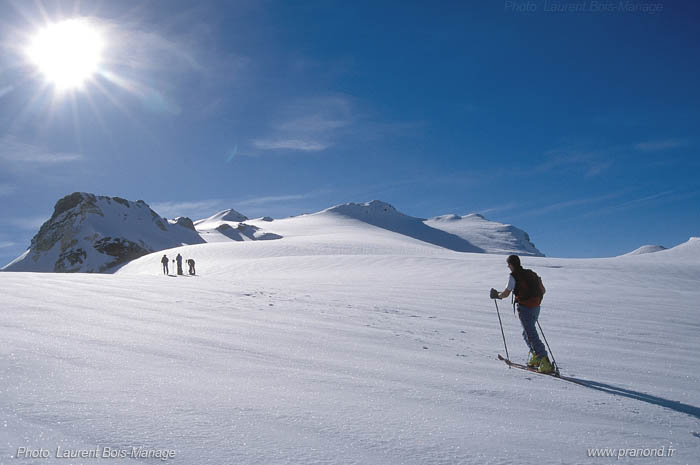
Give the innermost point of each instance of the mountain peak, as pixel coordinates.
(385, 216)
(91, 233)
(374, 207)
(224, 215)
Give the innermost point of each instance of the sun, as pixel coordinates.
(68, 53)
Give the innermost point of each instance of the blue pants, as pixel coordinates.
(528, 318)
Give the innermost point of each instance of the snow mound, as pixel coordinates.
(646, 249)
(491, 236)
(224, 215)
(94, 234)
(688, 251)
(385, 216)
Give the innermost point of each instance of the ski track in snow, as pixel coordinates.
(377, 352)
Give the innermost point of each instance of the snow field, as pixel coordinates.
(361, 350)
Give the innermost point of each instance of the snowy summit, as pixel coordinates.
(229, 215)
(491, 236)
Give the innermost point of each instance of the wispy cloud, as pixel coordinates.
(592, 163)
(568, 204)
(15, 154)
(318, 123)
(32, 223)
(660, 145)
(25, 165)
(260, 201)
(499, 208)
(308, 125)
(290, 144)
(6, 244)
(659, 197)
(196, 209)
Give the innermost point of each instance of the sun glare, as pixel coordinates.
(67, 53)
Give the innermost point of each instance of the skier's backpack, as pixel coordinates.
(529, 289)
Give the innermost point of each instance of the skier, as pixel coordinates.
(179, 264)
(165, 261)
(528, 290)
(190, 263)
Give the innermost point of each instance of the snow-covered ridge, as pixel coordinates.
(646, 249)
(385, 216)
(470, 233)
(686, 251)
(95, 234)
(491, 236)
(89, 233)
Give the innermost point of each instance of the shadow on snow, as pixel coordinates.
(641, 396)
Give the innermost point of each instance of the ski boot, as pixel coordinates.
(534, 361)
(545, 365)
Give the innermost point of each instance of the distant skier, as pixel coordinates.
(190, 263)
(165, 261)
(179, 264)
(528, 290)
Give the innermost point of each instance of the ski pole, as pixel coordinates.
(502, 333)
(548, 348)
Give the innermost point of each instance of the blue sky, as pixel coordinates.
(579, 127)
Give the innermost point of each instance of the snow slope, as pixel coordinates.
(355, 346)
(491, 236)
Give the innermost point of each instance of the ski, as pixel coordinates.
(555, 373)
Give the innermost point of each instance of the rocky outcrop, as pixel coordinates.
(90, 233)
(184, 222)
(244, 232)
